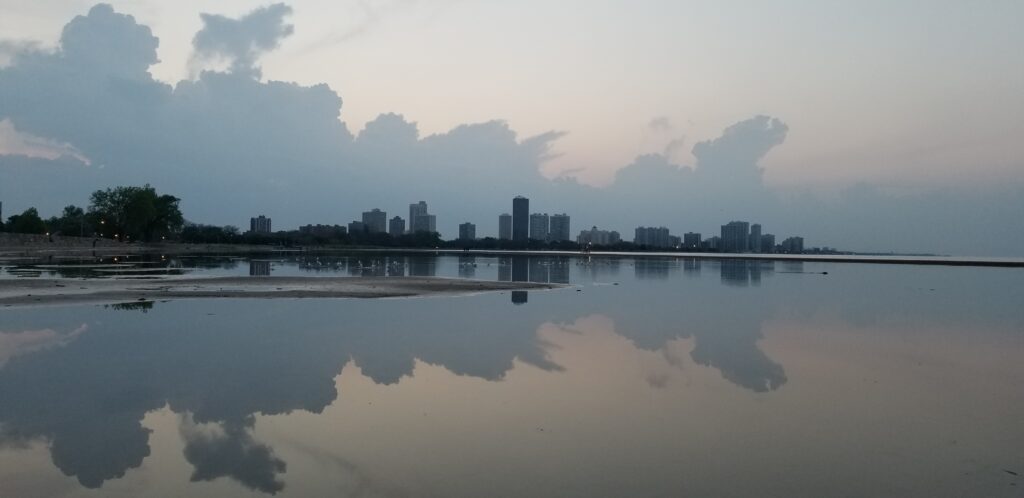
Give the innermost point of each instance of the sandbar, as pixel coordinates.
(36, 291)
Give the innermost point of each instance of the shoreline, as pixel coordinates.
(36, 292)
(47, 251)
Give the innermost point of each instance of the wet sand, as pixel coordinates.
(30, 292)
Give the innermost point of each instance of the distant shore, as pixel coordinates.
(71, 247)
(37, 292)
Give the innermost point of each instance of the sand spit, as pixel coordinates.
(29, 292)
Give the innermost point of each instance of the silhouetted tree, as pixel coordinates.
(26, 222)
(72, 221)
(135, 213)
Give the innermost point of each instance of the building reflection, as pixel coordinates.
(520, 297)
(536, 269)
(659, 268)
(691, 266)
(259, 268)
(422, 266)
(744, 272)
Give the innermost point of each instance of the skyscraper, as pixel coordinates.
(558, 228)
(467, 231)
(376, 221)
(735, 237)
(396, 226)
(793, 245)
(505, 226)
(754, 244)
(653, 237)
(424, 223)
(417, 209)
(259, 224)
(539, 226)
(691, 240)
(520, 219)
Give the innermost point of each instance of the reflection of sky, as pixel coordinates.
(704, 335)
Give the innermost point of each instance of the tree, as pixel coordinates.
(26, 222)
(72, 221)
(135, 213)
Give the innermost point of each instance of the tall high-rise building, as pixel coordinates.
(467, 231)
(417, 209)
(424, 223)
(420, 220)
(520, 219)
(735, 237)
(539, 226)
(558, 228)
(259, 224)
(396, 226)
(691, 240)
(768, 243)
(653, 237)
(505, 226)
(793, 245)
(754, 244)
(376, 221)
(598, 237)
(356, 227)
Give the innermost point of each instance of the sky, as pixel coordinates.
(868, 125)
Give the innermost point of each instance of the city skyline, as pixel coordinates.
(735, 236)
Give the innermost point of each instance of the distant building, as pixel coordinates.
(416, 210)
(735, 237)
(376, 221)
(767, 243)
(396, 226)
(424, 223)
(259, 224)
(357, 227)
(711, 244)
(467, 231)
(653, 237)
(539, 226)
(420, 220)
(258, 268)
(793, 245)
(505, 226)
(558, 228)
(691, 241)
(520, 219)
(323, 230)
(754, 239)
(598, 237)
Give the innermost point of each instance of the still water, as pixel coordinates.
(646, 377)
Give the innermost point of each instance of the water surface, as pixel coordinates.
(648, 377)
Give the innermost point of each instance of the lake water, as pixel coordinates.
(646, 377)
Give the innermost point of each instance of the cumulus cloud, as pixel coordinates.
(283, 149)
(240, 42)
(11, 49)
(229, 450)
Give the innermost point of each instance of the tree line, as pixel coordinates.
(120, 213)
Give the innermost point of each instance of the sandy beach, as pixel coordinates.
(30, 292)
